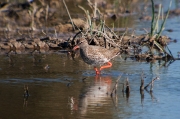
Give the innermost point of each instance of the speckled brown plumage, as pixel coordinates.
(96, 55)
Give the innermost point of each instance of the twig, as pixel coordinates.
(127, 87)
(145, 30)
(26, 92)
(151, 82)
(151, 94)
(123, 87)
(115, 86)
(55, 33)
(142, 82)
(111, 31)
(170, 52)
(114, 44)
(142, 96)
(123, 34)
(43, 32)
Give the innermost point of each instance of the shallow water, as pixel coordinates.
(52, 96)
(69, 89)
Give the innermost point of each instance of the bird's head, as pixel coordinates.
(81, 42)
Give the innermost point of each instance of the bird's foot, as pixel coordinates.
(98, 72)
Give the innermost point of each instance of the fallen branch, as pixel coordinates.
(151, 83)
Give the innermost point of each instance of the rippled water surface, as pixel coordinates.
(62, 88)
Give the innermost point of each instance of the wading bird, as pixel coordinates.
(96, 55)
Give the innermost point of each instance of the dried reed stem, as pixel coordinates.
(69, 14)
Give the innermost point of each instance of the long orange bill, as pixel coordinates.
(75, 47)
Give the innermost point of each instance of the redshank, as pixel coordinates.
(96, 55)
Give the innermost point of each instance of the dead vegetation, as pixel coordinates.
(146, 47)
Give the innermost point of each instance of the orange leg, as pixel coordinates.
(109, 64)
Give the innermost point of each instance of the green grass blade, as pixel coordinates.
(157, 21)
(162, 26)
(160, 47)
(152, 22)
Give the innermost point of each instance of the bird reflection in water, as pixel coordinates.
(97, 95)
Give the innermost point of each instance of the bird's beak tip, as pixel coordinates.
(75, 48)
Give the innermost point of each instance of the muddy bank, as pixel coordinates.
(33, 27)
